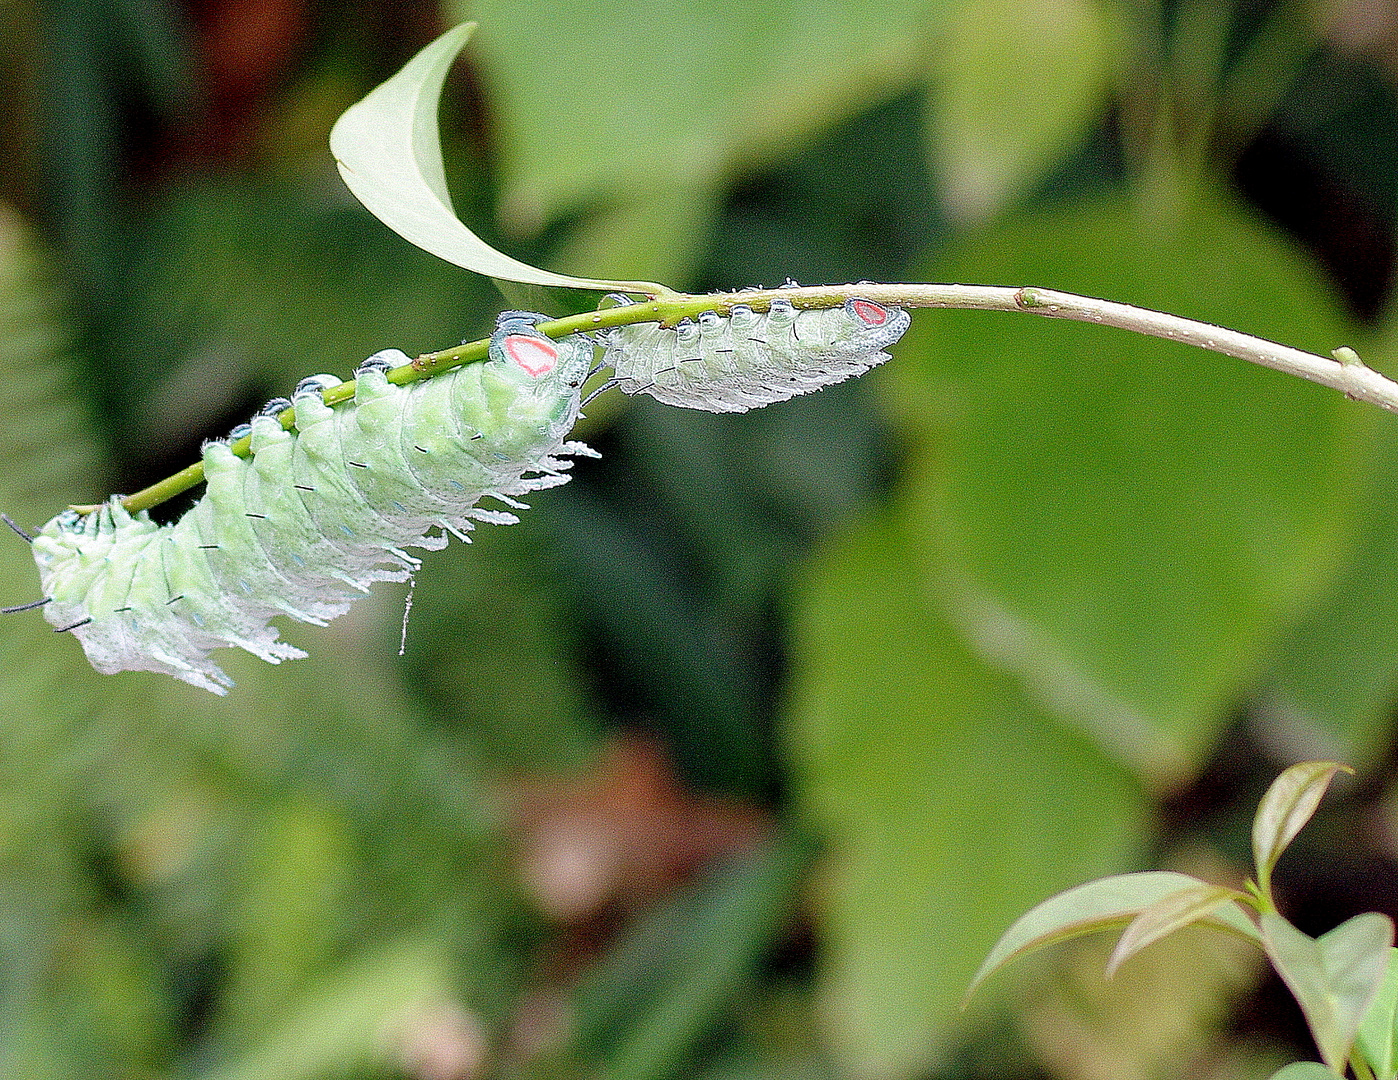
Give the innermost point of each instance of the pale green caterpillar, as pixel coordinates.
(747, 360)
(319, 511)
(323, 509)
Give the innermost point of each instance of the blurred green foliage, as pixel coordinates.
(1034, 602)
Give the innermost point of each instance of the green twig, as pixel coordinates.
(1344, 372)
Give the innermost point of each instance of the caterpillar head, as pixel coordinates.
(529, 356)
(877, 326)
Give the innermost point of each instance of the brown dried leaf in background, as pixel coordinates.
(626, 834)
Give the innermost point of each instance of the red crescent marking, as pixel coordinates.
(534, 356)
(872, 313)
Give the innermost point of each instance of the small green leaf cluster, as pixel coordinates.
(1343, 980)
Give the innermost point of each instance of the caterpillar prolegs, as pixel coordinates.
(319, 512)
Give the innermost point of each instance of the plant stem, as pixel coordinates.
(1344, 372)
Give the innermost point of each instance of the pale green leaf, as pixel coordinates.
(1334, 978)
(597, 110)
(989, 139)
(1337, 673)
(1285, 809)
(390, 157)
(1129, 524)
(1378, 1031)
(1100, 905)
(948, 801)
(1195, 903)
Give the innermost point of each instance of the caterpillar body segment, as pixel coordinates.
(319, 512)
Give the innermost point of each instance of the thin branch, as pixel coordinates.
(1344, 371)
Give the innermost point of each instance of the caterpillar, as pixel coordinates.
(747, 360)
(328, 501)
(319, 512)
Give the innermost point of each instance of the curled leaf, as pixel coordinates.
(1191, 904)
(1284, 811)
(390, 157)
(1099, 905)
